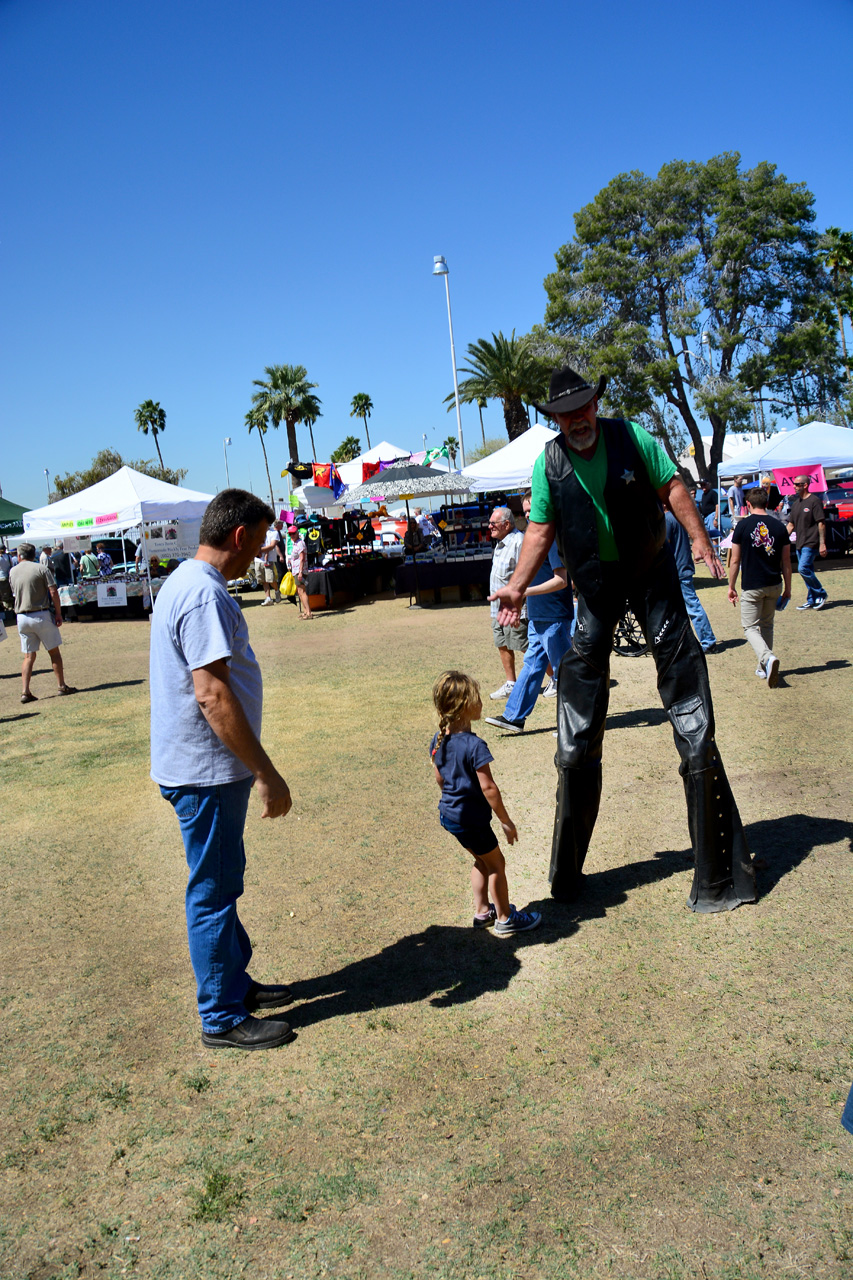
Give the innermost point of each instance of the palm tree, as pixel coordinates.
(362, 407)
(836, 253)
(349, 448)
(451, 444)
(286, 396)
(256, 420)
(481, 404)
(150, 417)
(309, 419)
(504, 369)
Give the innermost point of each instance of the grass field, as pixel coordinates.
(630, 1091)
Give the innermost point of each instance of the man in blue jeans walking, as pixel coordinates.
(549, 616)
(679, 545)
(806, 519)
(206, 700)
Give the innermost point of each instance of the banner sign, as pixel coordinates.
(784, 477)
(173, 539)
(111, 595)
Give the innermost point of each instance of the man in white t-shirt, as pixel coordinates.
(273, 558)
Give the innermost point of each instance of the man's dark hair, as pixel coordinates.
(230, 508)
(26, 551)
(757, 498)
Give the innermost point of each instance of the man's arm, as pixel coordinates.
(674, 495)
(786, 571)
(57, 605)
(534, 549)
(223, 712)
(821, 533)
(734, 570)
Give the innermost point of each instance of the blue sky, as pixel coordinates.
(192, 191)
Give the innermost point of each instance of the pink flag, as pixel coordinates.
(784, 477)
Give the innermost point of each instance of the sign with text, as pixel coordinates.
(111, 595)
(173, 539)
(784, 477)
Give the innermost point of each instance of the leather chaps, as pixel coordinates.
(724, 876)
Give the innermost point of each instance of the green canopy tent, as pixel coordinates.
(11, 518)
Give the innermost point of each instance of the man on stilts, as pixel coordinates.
(600, 488)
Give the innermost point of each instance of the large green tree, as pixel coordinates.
(151, 417)
(362, 407)
(285, 395)
(836, 253)
(690, 291)
(505, 369)
(106, 463)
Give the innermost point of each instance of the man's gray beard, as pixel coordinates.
(579, 443)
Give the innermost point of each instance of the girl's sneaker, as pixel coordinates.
(487, 919)
(518, 921)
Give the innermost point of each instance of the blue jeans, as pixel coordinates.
(696, 613)
(212, 821)
(805, 561)
(546, 642)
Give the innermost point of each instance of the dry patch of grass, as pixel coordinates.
(631, 1091)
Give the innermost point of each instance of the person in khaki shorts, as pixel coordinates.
(509, 640)
(36, 598)
(761, 547)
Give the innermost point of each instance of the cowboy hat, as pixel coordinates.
(568, 390)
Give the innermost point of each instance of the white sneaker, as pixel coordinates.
(761, 673)
(269, 600)
(550, 690)
(504, 691)
(771, 666)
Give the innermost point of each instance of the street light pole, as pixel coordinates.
(47, 483)
(440, 269)
(225, 443)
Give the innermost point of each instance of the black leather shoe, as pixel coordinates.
(260, 996)
(251, 1033)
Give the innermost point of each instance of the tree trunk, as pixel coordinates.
(313, 449)
(366, 432)
(292, 446)
(482, 428)
(157, 446)
(843, 341)
(515, 417)
(267, 465)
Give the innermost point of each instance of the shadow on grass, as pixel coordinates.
(112, 684)
(781, 844)
(833, 665)
(22, 715)
(448, 965)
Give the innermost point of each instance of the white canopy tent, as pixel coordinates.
(121, 501)
(351, 473)
(512, 466)
(817, 443)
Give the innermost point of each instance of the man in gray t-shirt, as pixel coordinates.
(206, 755)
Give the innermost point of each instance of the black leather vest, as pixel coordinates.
(635, 512)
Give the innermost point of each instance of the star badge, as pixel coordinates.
(628, 476)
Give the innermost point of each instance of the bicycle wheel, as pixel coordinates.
(628, 639)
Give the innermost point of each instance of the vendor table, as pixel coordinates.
(84, 594)
(362, 577)
(436, 575)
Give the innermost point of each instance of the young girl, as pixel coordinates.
(468, 796)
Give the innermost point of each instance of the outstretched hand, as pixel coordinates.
(510, 605)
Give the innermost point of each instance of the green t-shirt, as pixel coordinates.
(592, 475)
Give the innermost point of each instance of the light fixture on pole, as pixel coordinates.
(47, 482)
(225, 443)
(440, 269)
(706, 342)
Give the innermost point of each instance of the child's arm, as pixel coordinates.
(492, 793)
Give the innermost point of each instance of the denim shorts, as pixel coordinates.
(477, 840)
